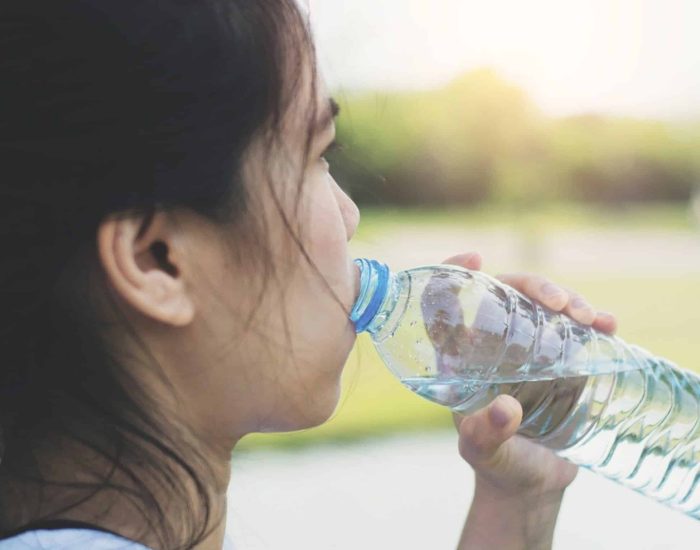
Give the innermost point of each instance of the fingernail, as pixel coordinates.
(499, 413)
(606, 314)
(550, 290)
(580, 303)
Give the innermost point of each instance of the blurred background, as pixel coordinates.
(554, 137)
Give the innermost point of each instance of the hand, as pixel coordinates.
(505, 463)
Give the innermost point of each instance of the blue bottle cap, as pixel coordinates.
(374, 285)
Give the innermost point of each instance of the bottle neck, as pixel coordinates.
(377, 296)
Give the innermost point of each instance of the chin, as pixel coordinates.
(307, 412)
(319, 409)
(325, 413)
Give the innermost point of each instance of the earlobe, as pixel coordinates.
(137, 264)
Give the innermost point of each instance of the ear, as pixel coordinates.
(142, 263)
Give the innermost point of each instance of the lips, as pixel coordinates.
(355, 277)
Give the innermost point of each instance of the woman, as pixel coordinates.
(175, 275)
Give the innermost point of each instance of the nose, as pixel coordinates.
(349, 211)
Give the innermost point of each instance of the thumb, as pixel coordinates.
(482, 433)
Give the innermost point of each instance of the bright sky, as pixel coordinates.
(634, 57)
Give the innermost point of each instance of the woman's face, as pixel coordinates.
(265, 351)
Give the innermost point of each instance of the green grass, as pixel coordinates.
(544, 216)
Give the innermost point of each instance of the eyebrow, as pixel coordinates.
(331, 111)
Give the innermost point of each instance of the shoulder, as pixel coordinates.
(65, 539)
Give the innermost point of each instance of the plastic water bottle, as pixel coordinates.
(460, 338)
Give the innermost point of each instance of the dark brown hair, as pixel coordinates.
(111, 106)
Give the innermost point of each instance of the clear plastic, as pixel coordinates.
(460, 338)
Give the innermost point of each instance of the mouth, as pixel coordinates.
(355, 270)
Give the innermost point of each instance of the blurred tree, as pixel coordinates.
(482, 138)
(619, 160)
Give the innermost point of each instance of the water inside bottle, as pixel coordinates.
(593, 399)
(639, 427)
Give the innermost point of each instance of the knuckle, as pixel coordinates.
(476, 449)
(479, 455)
(471, 452)
(471, 442)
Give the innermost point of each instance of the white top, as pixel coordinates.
(72, 539)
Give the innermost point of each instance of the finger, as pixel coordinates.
(482, 433)
(553, 296)
(457, 419)
(468, 260)
(579, 309)
(538, 288)
(605, 322)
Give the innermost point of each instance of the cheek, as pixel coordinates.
(323, 332)
(327, 241)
